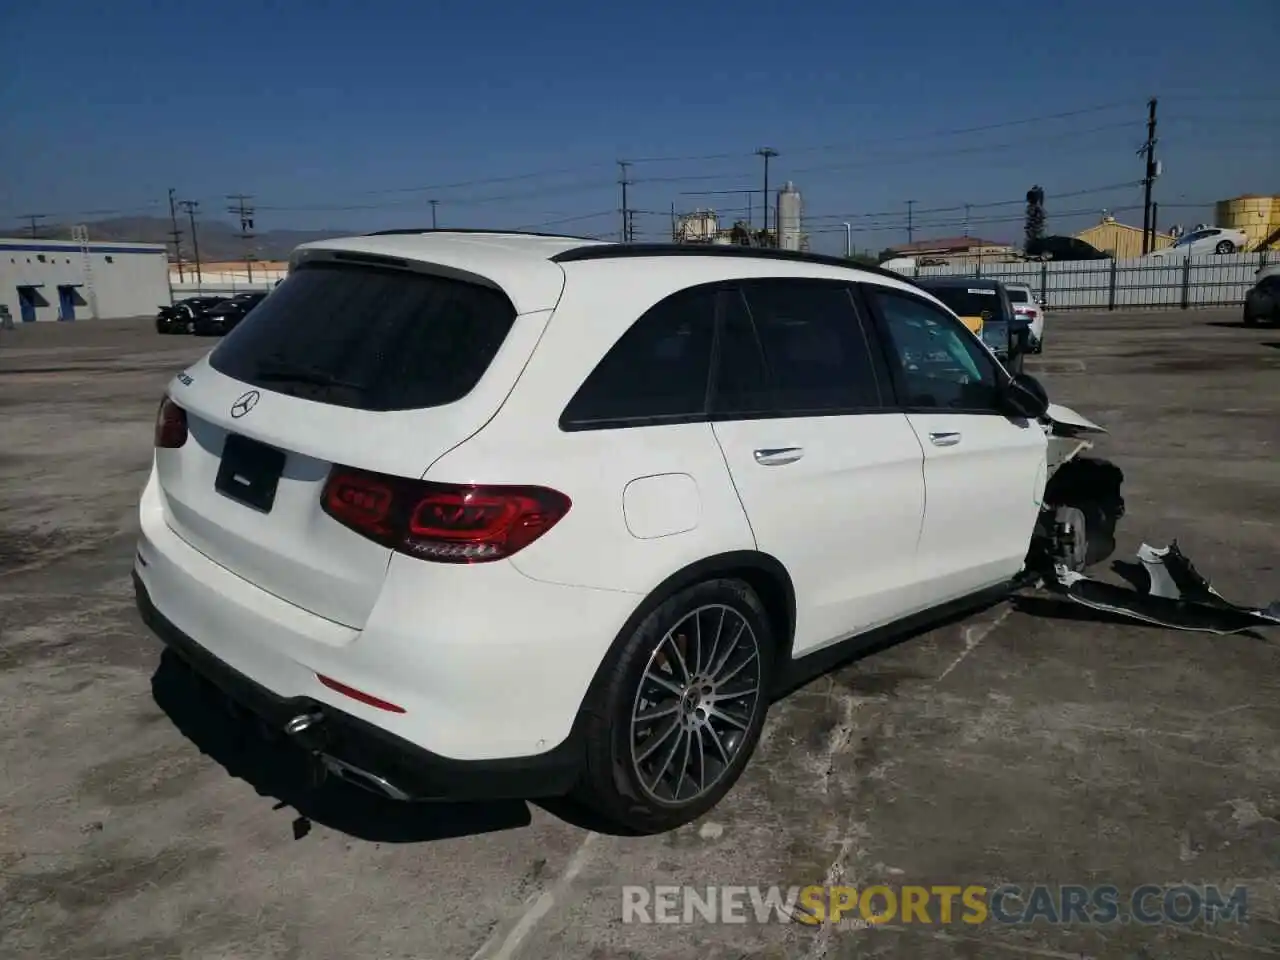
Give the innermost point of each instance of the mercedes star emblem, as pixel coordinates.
(245, 403)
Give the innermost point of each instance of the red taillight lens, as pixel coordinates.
(448, 523)
(171, 425)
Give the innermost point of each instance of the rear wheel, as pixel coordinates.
(677, 716)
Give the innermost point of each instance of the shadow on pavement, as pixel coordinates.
(280, 771)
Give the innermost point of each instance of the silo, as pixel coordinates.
(1255, 216)
(789, 217)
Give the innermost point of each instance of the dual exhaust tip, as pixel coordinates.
(304, 722)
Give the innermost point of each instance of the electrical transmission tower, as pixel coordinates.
(244, 211)
(190, 207)
(175, 233)
(628, 220)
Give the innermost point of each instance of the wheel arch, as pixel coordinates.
(762, 572)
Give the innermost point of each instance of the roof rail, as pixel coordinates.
(610, 251)
(411, 231)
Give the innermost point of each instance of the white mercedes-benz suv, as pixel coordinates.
(479, 515)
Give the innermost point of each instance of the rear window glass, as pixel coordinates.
(970, 301)
(1018, 296)
(368, 337)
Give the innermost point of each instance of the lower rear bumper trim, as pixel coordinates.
(417, 773)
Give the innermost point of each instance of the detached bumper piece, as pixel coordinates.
(1175, 596)
(360, 752)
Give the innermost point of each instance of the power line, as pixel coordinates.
(33, 218)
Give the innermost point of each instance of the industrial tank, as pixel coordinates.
(788, 221)
(1256, 216)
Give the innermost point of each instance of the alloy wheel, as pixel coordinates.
(697, 696)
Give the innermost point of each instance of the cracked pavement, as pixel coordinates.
(1028, 743)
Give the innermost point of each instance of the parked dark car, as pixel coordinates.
(972, 299)
(223, 318)
(1262, 304)
(1063, 248)
(182, 316)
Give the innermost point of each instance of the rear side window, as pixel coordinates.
(814, 346)
(368, 337)
(741, 378)
(657, 371)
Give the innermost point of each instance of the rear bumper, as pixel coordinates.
(417, 773)
(488, 666)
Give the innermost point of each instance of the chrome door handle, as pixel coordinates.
(777, 456)
(944, 439)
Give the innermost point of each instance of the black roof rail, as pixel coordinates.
(610, 251)
(410, 231)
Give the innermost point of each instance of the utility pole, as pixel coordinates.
(910, 221)
(175, 233)
(766, 152)
(433, 213)
(33, 217)
(245, 212)
(1149, 148)
(628, 232)
(190, 207)
(848, 241)
(966, 219)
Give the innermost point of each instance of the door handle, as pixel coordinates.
(944, 439)
(777, 456)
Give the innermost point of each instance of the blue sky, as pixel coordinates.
(338, 115)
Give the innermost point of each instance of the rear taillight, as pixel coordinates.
(448, 523)
(171, 425)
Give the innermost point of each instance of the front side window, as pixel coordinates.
(656, 372)
(938, 363)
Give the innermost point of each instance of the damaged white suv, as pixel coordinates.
(479, 515)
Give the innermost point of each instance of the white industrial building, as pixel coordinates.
(70, 280)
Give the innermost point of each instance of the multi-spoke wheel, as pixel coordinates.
(680, 709)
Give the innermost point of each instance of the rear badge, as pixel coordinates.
(185, 379)
(244, 403)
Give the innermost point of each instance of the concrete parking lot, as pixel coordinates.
(1028, 744)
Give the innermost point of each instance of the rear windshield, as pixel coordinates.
(970, 301)
(368, 337)
(1018, 296)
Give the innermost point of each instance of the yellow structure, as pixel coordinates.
(1256, 216)
(1119, 239)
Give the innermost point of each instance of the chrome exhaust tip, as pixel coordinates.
(363, 778)
(303, 722)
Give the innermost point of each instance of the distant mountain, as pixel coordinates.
(218, 240)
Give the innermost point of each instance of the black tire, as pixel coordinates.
(611, 784)
(1250, 320)
(1225, 247)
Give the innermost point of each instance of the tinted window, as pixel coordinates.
(741, 380)
(814, 346)
(657, 370)
(370, 338)
(1019, 296)
(939, 363)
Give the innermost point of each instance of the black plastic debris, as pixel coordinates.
(1174, 595)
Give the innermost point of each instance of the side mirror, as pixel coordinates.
(1025, 396)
